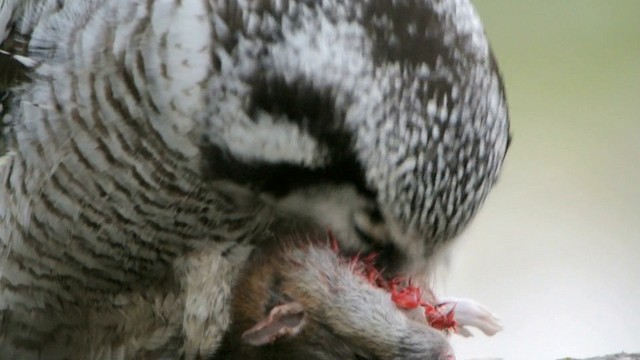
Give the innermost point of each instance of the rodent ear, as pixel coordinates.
(284, 320)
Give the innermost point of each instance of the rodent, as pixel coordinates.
(302, 299)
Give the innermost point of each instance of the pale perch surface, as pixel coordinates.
(620, 356)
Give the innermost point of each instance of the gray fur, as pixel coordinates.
(344, 316)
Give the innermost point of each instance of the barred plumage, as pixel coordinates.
(153, 129)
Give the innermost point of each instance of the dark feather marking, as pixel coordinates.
(278, 179)
(12, 71)
(395, 42)
(316, 113)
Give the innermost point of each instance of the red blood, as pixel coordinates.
(439, 320)
(407, 298)
(335, 246)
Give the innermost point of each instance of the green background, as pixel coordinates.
(555, 252)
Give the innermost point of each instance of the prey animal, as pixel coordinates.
(303, 299)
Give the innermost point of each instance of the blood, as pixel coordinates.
(403, 293)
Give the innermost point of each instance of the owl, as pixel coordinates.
(141, 137)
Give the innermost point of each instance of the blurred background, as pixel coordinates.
(555, 252)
